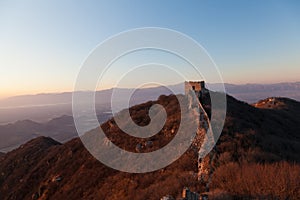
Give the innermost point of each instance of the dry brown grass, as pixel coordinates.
(272, 181)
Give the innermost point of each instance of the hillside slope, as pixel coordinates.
(45, 169)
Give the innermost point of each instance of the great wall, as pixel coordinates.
(203, 138)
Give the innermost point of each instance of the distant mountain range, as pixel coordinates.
(61, 129)
(254, 92)
(44, 107)
(249, 93)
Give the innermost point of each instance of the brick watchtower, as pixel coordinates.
(197, 86)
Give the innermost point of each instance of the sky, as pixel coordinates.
(43, 44)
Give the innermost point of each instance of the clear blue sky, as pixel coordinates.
(43, 43)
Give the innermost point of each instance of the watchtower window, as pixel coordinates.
(193, 87)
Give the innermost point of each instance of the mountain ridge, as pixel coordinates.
(252, 135)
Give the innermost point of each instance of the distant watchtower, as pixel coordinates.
(196, 86)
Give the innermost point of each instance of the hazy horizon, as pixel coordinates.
(71, 91)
